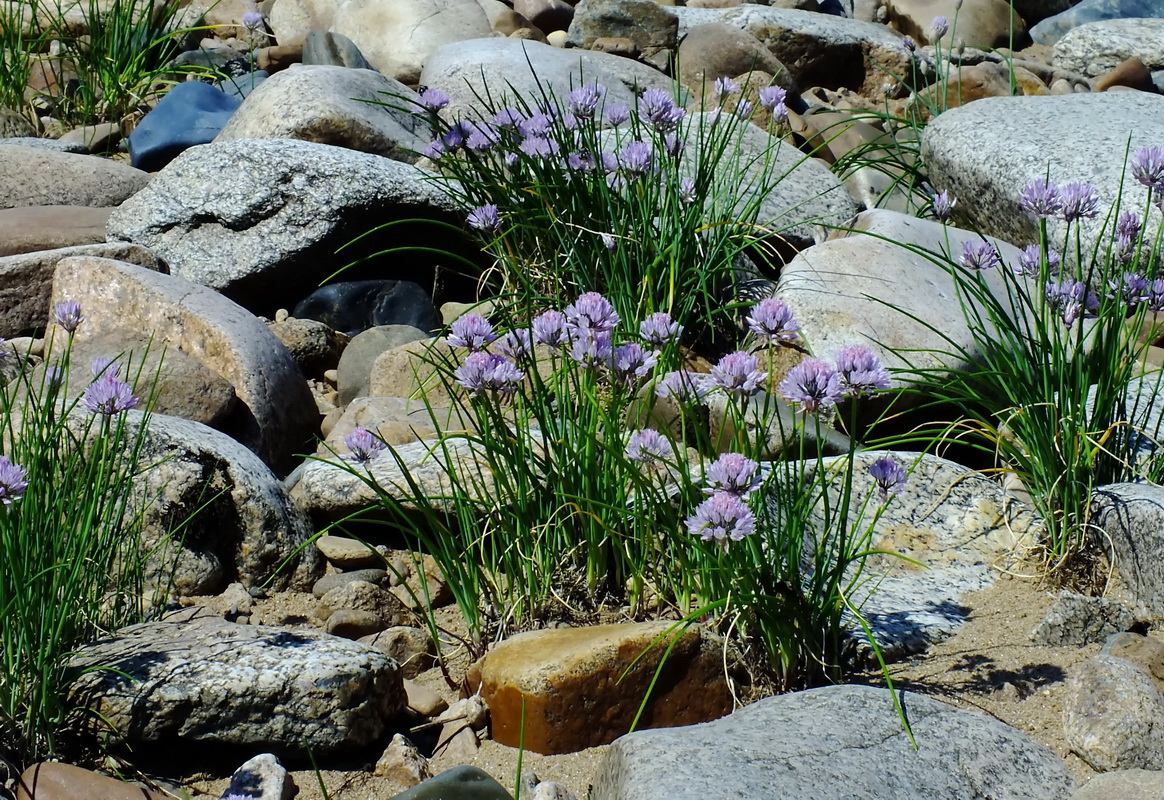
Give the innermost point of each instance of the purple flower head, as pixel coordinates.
(108, 395)
(608, 241)
(772, 96)
(979, 255)
(1041, 198)
(813, 384)
(101, 365)
(861, 371)
(485, 218)
(549, 328)
(772, 319)
(656, 108)
(252, 20)
(488, 373)
(1071, 299)
(433, 99)
(592, 311)
(725, 87)
(609, 162)
(536, 126)
(455, 136)
(909, 43)
(1029, 261)
(734, 474)
(939, 27)
(67, 314)
(1156, 295)
(648, 447)
(13, 481)
(435, 150)
(738, 374)
(744, 108)
(580, 161)
(673, 145)
(1079, 202)
(482, 137)
(659, 330)
(1131, 289)
(617, 114)
(54, 377)
(722, 517)
(539, 147)
(890, 477)
(590, 347)
(472, 331)
(630, 362)
(362, 446)
(636, 158)
(684, 386)
(687, 194)
(1128, 225)
(1148, 167)
(584, 100)
(508, 118)
(516, 344)
(943, 206)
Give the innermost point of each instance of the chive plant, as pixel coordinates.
(74, 565)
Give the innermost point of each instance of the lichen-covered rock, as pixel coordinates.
(200, 679)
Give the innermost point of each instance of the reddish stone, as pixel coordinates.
(56, 781)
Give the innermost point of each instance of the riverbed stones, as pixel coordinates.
(838, 741)
(55, 780)
(1098, 47)
(197, 679)
(354, 371)
(33, 176)
(1131, 518)
(982, 155)
(649, 26)
(397, 38)
(275, 415)
(554, 673)
(333, 105)
(260, 220)
(32, 228)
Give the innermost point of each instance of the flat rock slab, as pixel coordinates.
(32, 228)
(833, 743)
(209, 681)
(985, 152)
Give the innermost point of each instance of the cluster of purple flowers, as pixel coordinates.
(814, 384)
(108, 395)
(13, 481)
(1072, 300)
(725, 516)
(1071, 202)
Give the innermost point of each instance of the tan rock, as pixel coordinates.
(352, 623)
(58, 781)
(423, 700)
(983, 24)
(37, 177)
(412, 648)
(364, 596)
(403, 763)
(1131, 73)
(578, 692)
(346, 553)
(31, 228)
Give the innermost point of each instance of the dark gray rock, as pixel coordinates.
(330, 49)
(1131, 517)
(458, 783)
(352, 307)
(652, 28)
(1051, 29)
(190, 114)
(333, 105)
(1075, 620)
(280, 210)
(839, 741)
(329, 582)
(208, 681)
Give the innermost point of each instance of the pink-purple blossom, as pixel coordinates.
(592, 311)
(629, 362)
(738, 374)
(684, 386)
(722, 518)
(732, 473)
(943, 206)
(772, 319)
(485, 218)
(1148, 167)
(584, 100)
(363, 446)
(516, 344)
(1079, 202)
(861, 371)
(658, 330)
(488, 373)
(813, 384)
(67, 314)
(433, 99)
(472, 331)
(13, 481)
(549, 328)
(889, 476)
(656, 108)
(108, 395)
(979, 255)
(1040, 198)
(647, 446)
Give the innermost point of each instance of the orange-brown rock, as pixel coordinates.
(576, 695)
(56, 781)
(1131, 73)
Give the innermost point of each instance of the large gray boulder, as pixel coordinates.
(33, 176)
(832, 743)
(260, 220)
(508, 68)
(1098, 47)
(985, 152)
(197, 679)
(332, 105)
(1050, 29)
(1130, 516)
(275, 415)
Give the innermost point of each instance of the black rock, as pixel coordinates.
(355, 306)
(458, 783)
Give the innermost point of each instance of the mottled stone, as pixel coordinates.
(458, 783)
(1097, 47)
(39, 177)
(1075, 620)
(1131, 517)
(262, 778)
(411, 648)
(329, 582)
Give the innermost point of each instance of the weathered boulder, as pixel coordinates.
(1131, 517)
(55, 780)
(1096, 47)
(32, 228)
(39, 177)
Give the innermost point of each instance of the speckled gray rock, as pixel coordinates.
(1113, 708)
(210, 681)
(958, 523)
(1097, 47)
(1126, 784)
(332, 105)
(835, 742)
(1049, 30)
(648, 24)
(248, 526)
(1075, 620)
(1131, 517)
(853, 290)
(507, 67)
(262, 778)
(275, 415)
(55, 145)
(397, 38)
(35, 176)
(26, 281)
(819, 49)
(984, 155)
(260, 220)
